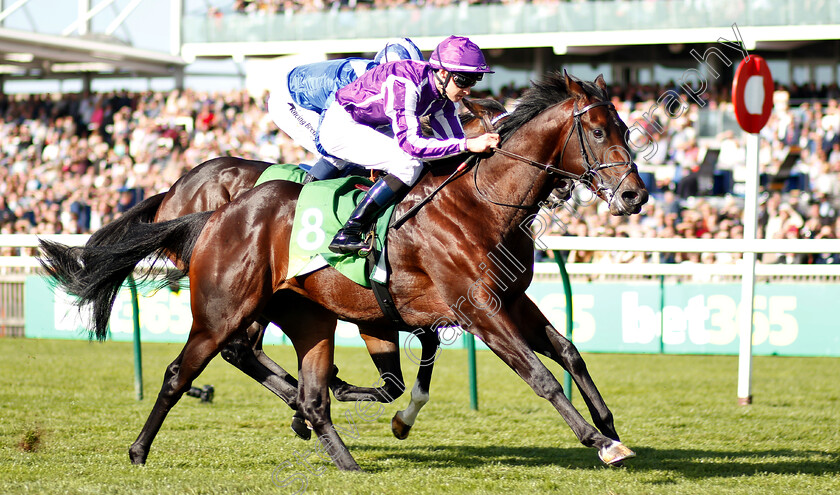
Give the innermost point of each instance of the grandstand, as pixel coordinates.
(78, 153)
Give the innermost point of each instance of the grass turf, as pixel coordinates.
(68, 415)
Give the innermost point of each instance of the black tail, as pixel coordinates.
(95, 273)
(143, 212)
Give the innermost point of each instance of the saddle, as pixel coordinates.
(322, 209)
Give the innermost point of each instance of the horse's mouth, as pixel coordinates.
(628, 203)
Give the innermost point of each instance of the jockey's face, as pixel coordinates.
(453, 92)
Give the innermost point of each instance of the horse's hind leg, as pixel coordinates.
(403, 420)
(245, 352)
(197, 352)
(383, 347)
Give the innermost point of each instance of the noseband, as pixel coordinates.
(590, 175)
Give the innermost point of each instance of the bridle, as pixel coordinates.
(591, 173)
(593, 166)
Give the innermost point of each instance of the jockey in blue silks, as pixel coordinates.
(396, 95)
(303, 95)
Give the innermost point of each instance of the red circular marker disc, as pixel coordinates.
(752, 110)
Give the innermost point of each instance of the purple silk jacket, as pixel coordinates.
(398, 94)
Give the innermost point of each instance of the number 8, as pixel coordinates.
(311, 221)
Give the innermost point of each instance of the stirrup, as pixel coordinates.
(363, 247)
(369, 240)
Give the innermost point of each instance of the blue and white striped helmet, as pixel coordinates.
(398, 49)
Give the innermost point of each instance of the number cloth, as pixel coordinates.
(322, 209)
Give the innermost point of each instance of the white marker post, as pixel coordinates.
(752, 94)
(748, 274)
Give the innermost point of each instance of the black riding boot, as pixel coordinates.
(351, 238)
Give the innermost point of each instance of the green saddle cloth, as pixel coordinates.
(282, 171)
(322, 208)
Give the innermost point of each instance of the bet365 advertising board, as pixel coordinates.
(684, 318)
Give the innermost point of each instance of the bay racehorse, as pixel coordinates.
(463, 259)
(221, 180)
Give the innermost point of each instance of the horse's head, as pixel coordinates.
(595, 150)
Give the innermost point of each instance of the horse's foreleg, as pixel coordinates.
(403, 420)
(316, 358)
(567, 355)
(545, 339)
(197, 352)
(500, 334)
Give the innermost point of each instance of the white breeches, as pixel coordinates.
(357, 143)
(299, 123)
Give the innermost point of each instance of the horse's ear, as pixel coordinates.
(599, 81)
(574, 87)
(471, 106)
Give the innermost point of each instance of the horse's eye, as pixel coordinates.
(598, 133)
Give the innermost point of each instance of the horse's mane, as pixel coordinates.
(548, 91)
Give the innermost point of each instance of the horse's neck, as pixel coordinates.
(502, 180)
(513, 182)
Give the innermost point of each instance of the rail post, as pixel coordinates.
(567, 290)
(470, 342)
(138, 358)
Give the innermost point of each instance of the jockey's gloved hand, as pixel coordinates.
(484, 143)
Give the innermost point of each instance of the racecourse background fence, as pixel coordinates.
(15, 269)
(12, 320)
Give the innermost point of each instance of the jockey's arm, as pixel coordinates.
(449, 136)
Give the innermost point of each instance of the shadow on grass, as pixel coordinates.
(690, 463)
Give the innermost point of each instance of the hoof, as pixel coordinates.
(399, 427)
(615, 454)
(300, 428)
(138, 457)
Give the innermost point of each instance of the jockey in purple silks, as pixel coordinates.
(394, 96)
(302, 95)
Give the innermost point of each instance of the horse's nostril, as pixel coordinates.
(634, 198)
(630, 197)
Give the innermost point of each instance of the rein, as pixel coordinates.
(410, 213)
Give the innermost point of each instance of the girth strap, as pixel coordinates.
(383, 295)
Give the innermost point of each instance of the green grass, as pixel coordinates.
(679, 413)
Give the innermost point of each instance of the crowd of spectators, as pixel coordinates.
(804, 209)
(270, 7)
(72, 163)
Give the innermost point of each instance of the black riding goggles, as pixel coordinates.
(466, 80)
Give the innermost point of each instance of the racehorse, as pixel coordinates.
(219, 181)
(463, 259)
